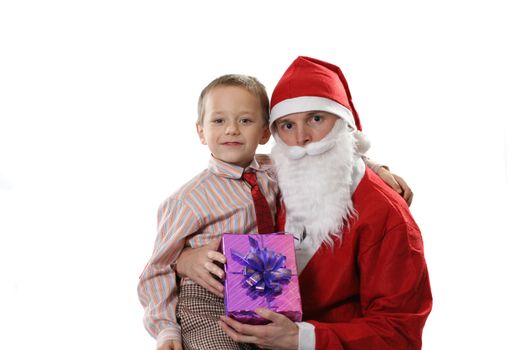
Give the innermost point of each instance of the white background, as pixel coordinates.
(97, 110)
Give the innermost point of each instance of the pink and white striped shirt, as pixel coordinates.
(215, 201)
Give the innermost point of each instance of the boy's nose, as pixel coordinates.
(232, 129)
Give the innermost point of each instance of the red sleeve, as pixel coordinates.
(395, 297)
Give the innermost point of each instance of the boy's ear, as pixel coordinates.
(200, 131)
(265, 136)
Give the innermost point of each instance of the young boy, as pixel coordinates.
(233, 121)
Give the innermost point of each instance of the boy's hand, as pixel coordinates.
(397, 183)
(170, 345)
(198, 265)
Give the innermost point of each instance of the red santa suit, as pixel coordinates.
(371, 289)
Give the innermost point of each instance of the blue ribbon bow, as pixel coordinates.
(264, 270)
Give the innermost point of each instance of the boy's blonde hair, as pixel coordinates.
(251, 84)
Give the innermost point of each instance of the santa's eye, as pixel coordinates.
(317, 118)
(286, 125)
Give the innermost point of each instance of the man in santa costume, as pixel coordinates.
(363, 277)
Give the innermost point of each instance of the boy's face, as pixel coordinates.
(299, 129)
(233, 125)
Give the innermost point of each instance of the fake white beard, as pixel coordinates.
(315, 183)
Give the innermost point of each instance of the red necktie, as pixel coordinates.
(262, 209)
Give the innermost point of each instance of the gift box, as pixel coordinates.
(260, 271)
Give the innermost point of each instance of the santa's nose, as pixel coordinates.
(302, 136)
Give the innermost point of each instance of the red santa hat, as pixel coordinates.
(310, 84)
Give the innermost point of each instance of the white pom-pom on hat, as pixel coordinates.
(362, 142)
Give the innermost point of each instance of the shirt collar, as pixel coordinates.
(231, 171)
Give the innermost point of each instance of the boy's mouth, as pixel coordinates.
(231, 143)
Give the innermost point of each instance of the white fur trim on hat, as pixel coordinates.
(311, 103)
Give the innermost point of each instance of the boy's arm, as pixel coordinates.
(170, 345)
(157, 287)
(372, 164)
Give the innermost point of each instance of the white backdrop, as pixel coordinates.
(97, 110)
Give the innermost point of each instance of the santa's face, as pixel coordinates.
(300, 129)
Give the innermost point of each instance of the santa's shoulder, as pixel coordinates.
(373, 198)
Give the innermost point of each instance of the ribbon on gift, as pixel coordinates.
(264, 270)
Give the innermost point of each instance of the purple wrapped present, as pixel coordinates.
(260, 272)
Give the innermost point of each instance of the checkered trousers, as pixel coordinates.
(198, 313)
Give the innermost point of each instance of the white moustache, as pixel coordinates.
(312, 149)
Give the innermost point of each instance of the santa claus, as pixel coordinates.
(363, 277)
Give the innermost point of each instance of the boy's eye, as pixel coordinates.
(217, 121)
(246, 121)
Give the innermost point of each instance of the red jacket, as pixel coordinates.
(371, 291)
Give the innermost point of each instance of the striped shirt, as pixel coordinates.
(215, 201)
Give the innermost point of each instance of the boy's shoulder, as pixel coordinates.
(264, 160)
(187, 191)
(266, 165)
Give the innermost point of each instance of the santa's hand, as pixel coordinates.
(397, 183)
(198, 265)
(280, 333)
